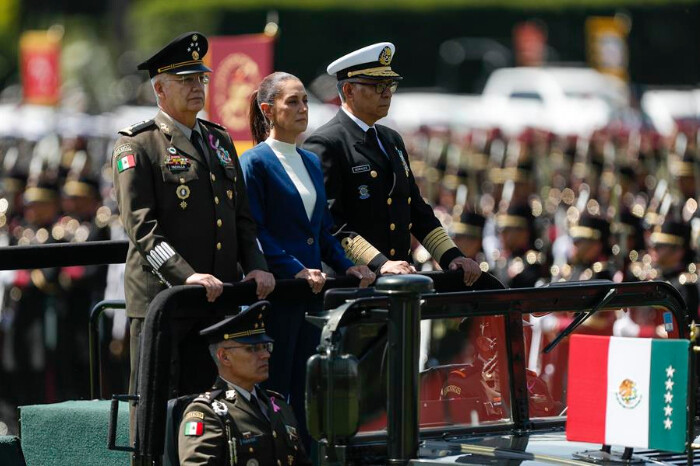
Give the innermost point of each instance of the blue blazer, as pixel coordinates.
(289, 240)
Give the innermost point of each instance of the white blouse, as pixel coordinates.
(294, 166)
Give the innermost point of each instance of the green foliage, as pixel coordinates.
(155, 7)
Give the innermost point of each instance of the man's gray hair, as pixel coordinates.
(339, 86)
(212, 351)
(154, 80)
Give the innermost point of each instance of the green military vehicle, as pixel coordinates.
(393, 381)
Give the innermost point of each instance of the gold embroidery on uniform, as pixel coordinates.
(437, 242)
(358, 250)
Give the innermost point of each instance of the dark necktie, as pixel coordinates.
(372, 141)
(256, 406)
(198, 144)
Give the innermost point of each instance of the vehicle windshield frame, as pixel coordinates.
(514, 304)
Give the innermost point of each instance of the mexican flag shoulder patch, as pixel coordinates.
(126, 162)
(194, 428)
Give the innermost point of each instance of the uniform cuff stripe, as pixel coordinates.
(437, 242)
(159, 255)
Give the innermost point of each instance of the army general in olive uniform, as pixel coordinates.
(373, 196)
(181, 194)
(237, 422)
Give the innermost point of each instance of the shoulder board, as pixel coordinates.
(211, 123)
(137, 128)
(208, 397)
(275, 394)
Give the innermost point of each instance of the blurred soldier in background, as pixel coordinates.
(519, 265)
(673, 256)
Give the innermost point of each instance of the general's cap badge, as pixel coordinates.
(385, 56)
(195, 55)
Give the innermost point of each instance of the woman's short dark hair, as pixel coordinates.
(267, 92)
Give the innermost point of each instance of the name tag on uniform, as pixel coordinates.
(360, 169)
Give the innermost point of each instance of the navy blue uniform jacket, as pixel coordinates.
(289, 240)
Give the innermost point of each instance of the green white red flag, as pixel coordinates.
(630, 392)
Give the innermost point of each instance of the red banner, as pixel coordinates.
(40, 56)
(239, 64)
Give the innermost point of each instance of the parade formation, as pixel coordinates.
(532, 207)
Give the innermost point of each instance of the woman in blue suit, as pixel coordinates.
(288, 201)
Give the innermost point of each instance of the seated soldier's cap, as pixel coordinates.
(247, 327)
(183, 55)
(371, 62)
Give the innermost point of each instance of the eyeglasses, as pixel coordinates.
(190, 80)
(257, 348)
(381, 86)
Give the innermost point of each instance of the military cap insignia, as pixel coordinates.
(385, 56)
(183, 192)
(194, 47)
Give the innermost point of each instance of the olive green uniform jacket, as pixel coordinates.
(221, 427)
(183, 214)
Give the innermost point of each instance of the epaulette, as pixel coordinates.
(211, 123)
(208, 397)
(275, 394)
(137, 128)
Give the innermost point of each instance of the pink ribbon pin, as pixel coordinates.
(275, 408)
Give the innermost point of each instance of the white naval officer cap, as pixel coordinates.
(371, 62)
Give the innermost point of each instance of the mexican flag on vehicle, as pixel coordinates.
(630, 392)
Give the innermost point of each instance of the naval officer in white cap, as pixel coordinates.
(374, 199)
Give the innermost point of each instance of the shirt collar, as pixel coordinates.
(363, 126)
(242, 391)
(184, 129)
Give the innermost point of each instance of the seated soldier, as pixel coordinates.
(480, 381)
(238, 423)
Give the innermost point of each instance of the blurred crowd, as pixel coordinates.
(531, 208)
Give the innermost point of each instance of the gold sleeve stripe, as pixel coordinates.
(359, 250)
(437, 242)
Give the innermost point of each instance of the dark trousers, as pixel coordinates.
(295, 341)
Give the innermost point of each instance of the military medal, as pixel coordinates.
(403, 160)
(176, 163)
(183, 192)
(221, 153)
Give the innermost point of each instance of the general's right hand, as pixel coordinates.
(211, 284)
(314, 277)
(396, 268)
